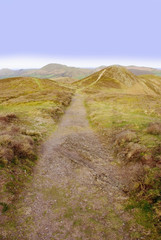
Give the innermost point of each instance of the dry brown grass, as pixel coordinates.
(154, 128)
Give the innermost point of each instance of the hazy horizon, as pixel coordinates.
(16, 63)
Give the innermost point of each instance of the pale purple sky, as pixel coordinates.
(80, 32)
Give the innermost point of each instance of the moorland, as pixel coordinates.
(80, 154)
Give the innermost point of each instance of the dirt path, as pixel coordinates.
(99, 77)
(76, 189)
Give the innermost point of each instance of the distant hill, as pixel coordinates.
(144, 70)
(118, 77)
(49, 71)
(54, 70)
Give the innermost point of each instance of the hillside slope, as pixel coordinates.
(113, 76)
(26, 89)
(118, 77)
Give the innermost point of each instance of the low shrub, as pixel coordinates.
(8, 118)
(154, 128)
(54, 112)
(125, 136)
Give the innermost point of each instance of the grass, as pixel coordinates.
(116, 111)
(115, 116)
(29, 111)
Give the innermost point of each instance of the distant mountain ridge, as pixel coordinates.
(144, 70)
(54, 70)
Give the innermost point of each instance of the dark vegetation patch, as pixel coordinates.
(8, 118)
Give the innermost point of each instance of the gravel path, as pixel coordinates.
(76, 189)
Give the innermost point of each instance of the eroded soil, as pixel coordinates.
(76, 189)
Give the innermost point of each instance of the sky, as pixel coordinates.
(85, 33)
